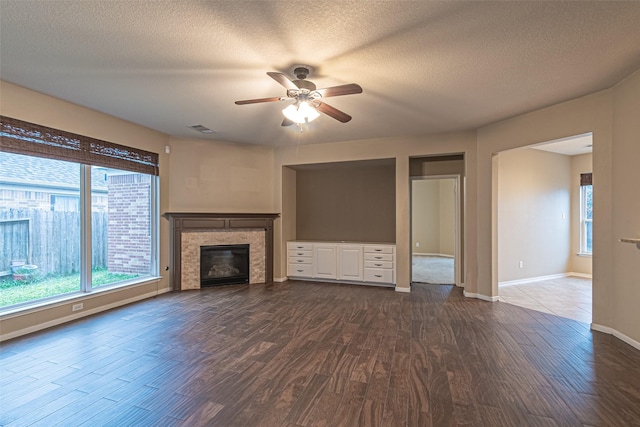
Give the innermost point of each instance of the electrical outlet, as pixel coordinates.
(521, 264)
(417, 244)
(77, 307)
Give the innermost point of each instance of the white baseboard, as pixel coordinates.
(430, 254)
(541, 278)
(615, 333)
(400, 289)
(479, 296)
(532, 279)
(583, 275)
(280, 279)
(79, 314)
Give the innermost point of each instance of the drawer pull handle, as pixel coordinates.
(377, 275)
(300, 260)
(300, 271)
(300, 247)
(378, 257)
(300, 253)
(378, 250)
(378, 265)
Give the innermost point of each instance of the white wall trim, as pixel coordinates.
(583, 275)
(541, 278)
(615, 333)
(280, 279)
(401, 289)
(434, 255)
(533, 279)
(79, 314)
(480, 296)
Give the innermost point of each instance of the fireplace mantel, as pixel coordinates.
(181, 222)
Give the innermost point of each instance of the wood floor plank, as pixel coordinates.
(301, 354)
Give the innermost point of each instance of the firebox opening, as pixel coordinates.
(224, 265)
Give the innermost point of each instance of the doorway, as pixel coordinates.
(435, 230)
(543, 207)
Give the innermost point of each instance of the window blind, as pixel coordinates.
(20, 137)
(585, 179)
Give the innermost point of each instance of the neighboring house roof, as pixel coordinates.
(45, 173)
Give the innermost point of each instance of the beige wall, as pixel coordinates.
(579, 164)
(447, 217)
(208, 176)
(30, 106)
(425, 216)
(433, 216)
(625, 209)
(534, 194)
(346, 202)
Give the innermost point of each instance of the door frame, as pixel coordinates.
(456, 253)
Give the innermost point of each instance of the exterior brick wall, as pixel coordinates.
(129, 223)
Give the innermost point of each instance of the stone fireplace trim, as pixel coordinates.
(185, 222)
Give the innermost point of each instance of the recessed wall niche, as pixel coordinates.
(343, 201)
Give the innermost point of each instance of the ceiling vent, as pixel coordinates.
(201, 129)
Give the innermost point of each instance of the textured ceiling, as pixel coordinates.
(425, 67)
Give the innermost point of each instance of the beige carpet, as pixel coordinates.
(436, 270)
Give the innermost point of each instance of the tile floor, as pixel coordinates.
(568, 297)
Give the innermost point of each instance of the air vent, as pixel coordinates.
(201, 129)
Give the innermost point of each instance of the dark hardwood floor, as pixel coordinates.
(309, 354)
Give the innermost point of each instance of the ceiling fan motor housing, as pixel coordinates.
(301, 72)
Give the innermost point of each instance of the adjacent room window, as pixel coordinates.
(76, 214)
(586, 214)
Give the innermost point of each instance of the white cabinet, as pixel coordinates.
(325, 261)
(374, 264)
(300, 259)
(350, 263)
(379, 263)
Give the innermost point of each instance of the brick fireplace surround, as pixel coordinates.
(190, 230)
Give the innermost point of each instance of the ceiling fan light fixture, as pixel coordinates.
(301, 113)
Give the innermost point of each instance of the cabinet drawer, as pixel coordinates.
(378, 264)
(378, 257)
(379, 249)
(379, 275)
(300, 270)
(303, 246)
(299, 260)
(300, 252)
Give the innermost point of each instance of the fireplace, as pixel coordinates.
(191, 230)
(224, 265)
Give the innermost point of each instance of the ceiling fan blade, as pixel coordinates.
(348, 89)
(256, 101)
(333, 112)
(283, 80)
(286, 122)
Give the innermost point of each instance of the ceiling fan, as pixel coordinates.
(307, 99)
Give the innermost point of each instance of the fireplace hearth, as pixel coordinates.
(224, 265)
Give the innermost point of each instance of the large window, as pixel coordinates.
(586, 214)
(72, 227)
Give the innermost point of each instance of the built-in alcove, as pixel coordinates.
(342, 201)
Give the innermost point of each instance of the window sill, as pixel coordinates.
(585, 254)
(26, 308)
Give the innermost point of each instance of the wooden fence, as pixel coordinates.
(50, 240)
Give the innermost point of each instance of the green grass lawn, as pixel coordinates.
(17, 291)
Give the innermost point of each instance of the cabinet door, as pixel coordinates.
(324, 261)
(350, 263)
